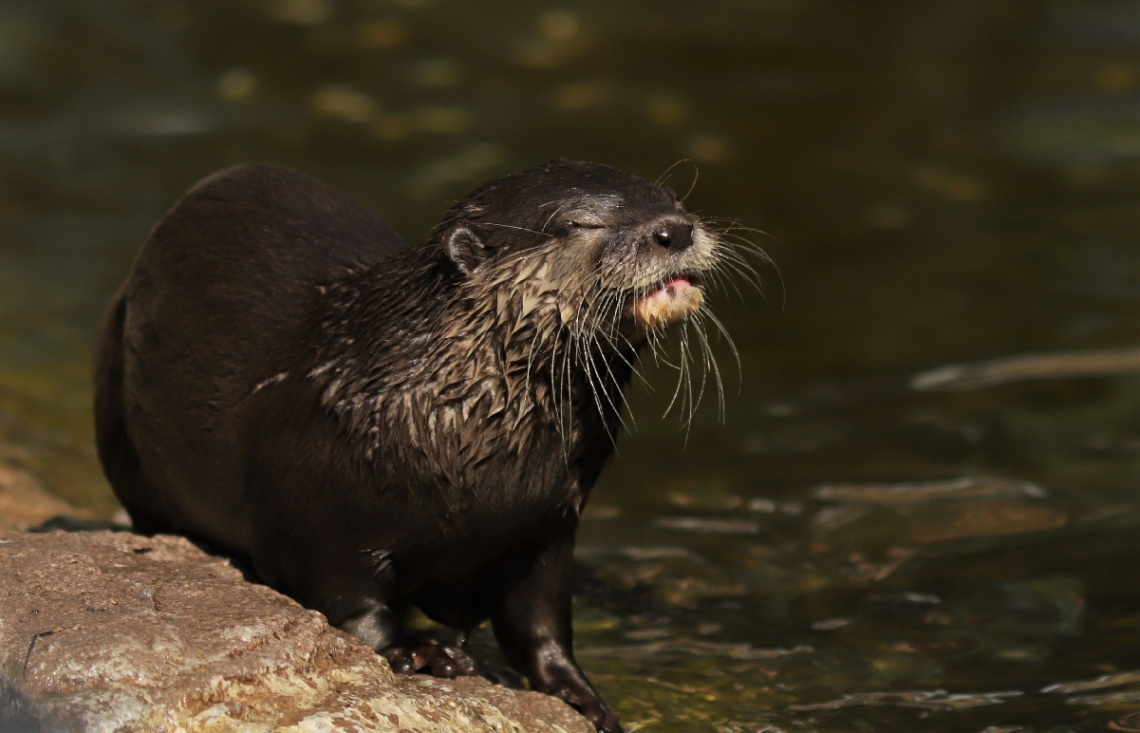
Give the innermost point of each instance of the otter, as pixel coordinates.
(371, 426)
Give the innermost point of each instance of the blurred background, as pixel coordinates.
(871, 538)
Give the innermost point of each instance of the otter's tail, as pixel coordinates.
(117, 454)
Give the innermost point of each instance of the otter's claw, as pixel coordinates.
(432, 657)
(604, 718)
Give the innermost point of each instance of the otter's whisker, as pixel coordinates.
(717, 279)
(706, 313)
(592, 373)
(556, 389)
(613, 303)
(513, 226)
(710, 362)
(570, 356)
(511, 260)
(556, 212)
(708, 365)
(530, 356)
(734, 254)
(687, 361)
(680, 367)
(665, 176)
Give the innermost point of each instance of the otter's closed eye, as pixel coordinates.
(583, 224)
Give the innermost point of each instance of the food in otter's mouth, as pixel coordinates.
(371, 427)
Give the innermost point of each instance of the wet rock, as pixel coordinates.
(920, 492)
(1062, 365)
(115, 631)
(978, 519)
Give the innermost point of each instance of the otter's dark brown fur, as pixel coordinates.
(373, 427)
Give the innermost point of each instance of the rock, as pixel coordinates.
(112, 631)
(24, 503)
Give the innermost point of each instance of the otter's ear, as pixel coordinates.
(466, 248)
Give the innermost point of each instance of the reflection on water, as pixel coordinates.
(865, 544)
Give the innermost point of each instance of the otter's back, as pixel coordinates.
(219, 304)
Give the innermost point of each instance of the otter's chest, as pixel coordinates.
(494, 478)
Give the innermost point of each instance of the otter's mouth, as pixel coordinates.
(672, 300)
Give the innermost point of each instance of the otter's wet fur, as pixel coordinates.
(372, 426)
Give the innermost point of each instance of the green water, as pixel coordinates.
(938, 183)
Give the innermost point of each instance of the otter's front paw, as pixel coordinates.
(432, 657)
(604, 718)
(587, 702)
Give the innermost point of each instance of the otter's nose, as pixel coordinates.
(676, 237)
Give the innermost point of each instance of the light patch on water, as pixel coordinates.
(927, 699)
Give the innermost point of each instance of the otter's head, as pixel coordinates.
(601, 249)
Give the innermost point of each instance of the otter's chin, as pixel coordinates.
(671, 303)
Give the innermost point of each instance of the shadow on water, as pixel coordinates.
(869, 541)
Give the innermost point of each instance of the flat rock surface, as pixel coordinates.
(106, 631)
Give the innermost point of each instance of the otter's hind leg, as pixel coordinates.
(357, 591)
(117, 454)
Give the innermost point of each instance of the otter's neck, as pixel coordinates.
(470, 370)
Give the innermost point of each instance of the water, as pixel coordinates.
(938, 183)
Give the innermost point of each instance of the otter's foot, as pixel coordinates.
(567, 683)
(432, 657)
